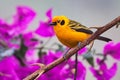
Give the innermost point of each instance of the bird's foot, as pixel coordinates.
(64, 55)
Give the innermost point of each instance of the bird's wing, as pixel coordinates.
(79, 27)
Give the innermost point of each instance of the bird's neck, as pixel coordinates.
(59, 30)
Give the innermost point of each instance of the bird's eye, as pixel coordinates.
(62, 22)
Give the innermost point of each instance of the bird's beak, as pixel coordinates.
(53, 23)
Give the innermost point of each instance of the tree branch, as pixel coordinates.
(71, 52)
(2, 43)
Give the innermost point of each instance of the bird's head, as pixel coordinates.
(59, 21)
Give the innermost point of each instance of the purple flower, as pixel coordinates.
(22, 18)
(28, 39)
(113, 50)
(13, 45)
(30, 56)
(103, 73)
(4, 30)
(50, 56)
(23, 71)
(54, 73)
(64, 70)
(69, 71)
(61, 72)
(10, 69)
(24, 15)
(30, 44)
(82, 51)
(44, 28)
(7, 36)
(9, 32)
(7, 68)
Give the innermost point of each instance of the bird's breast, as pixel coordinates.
(65, 37)
(70, 37)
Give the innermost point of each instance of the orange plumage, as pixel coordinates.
(70, 32)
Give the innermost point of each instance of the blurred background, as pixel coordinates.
(88, 12)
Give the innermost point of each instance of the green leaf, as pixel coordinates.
(22, 49)
(90, 61)
(20, 54)
(89, 57)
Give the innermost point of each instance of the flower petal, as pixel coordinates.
(111, 72)
(113, 50)
(45, 29)
(49, 14)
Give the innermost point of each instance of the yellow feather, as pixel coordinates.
(70, 32)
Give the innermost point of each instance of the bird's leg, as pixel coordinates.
(76, 66)
(79, 44)
(64, 55)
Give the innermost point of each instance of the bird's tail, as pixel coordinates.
(104, 39)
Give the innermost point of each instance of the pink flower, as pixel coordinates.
(22, 18)
(82, 51)
(5, 30)
(103, 73)
(70, 70)
(30, 56)
(7, 67)
(44, 28)
(113, 50)
(24, 15)
(27, 37)
(64, 70)
(7, 36)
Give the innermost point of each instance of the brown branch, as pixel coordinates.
(2, 43)
(71, 52)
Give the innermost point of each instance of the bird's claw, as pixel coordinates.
(64, 55)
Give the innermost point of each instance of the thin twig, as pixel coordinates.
(43, 48)
(2, 43)
(47, 42)
(4, 74)
(74, 50)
